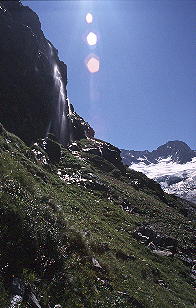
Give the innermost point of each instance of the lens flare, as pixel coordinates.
(91, 39)
(93, 64)
(89, 18)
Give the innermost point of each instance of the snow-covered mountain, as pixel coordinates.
(173, 165)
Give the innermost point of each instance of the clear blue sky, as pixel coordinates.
(144, 93)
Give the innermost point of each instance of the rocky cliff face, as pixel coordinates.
(33, 80)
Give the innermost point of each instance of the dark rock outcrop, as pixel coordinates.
(26, 79)
(33, 96)
(101, 149)
(156, 242)
(53, 149)
(179, 151)
(80, 129)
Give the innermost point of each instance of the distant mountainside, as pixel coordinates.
(173, 165)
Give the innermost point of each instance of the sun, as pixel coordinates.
(91, 39)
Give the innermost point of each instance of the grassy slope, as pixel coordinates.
(52, 228)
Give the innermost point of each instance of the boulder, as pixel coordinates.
(158, 243)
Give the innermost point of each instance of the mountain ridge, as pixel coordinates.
(179, 152)
(172, 165)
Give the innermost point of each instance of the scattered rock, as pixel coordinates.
(162, 283)
(158, 243)
(163, 253)
(74, 147)
(96, 263)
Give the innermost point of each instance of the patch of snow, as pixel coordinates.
(165, 167)
(175, 178)
(141, 159)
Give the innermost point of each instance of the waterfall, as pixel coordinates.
(70, 112)
(69, 106)
(59, 123)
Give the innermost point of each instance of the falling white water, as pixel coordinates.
(62, 119)
(58, 82)
(70, 112)
(59, 125)
(69, 107)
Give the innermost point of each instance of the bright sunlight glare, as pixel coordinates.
(91, 39)
(93, 64)
(89, 18)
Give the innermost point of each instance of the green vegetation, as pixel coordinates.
(66, 230)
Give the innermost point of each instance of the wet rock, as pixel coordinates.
(140, 237)
(186, 259)
(39, 154)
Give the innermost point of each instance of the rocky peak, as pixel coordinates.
(179, 151)
(23, 15)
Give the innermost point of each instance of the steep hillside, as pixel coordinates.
(85, 233)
